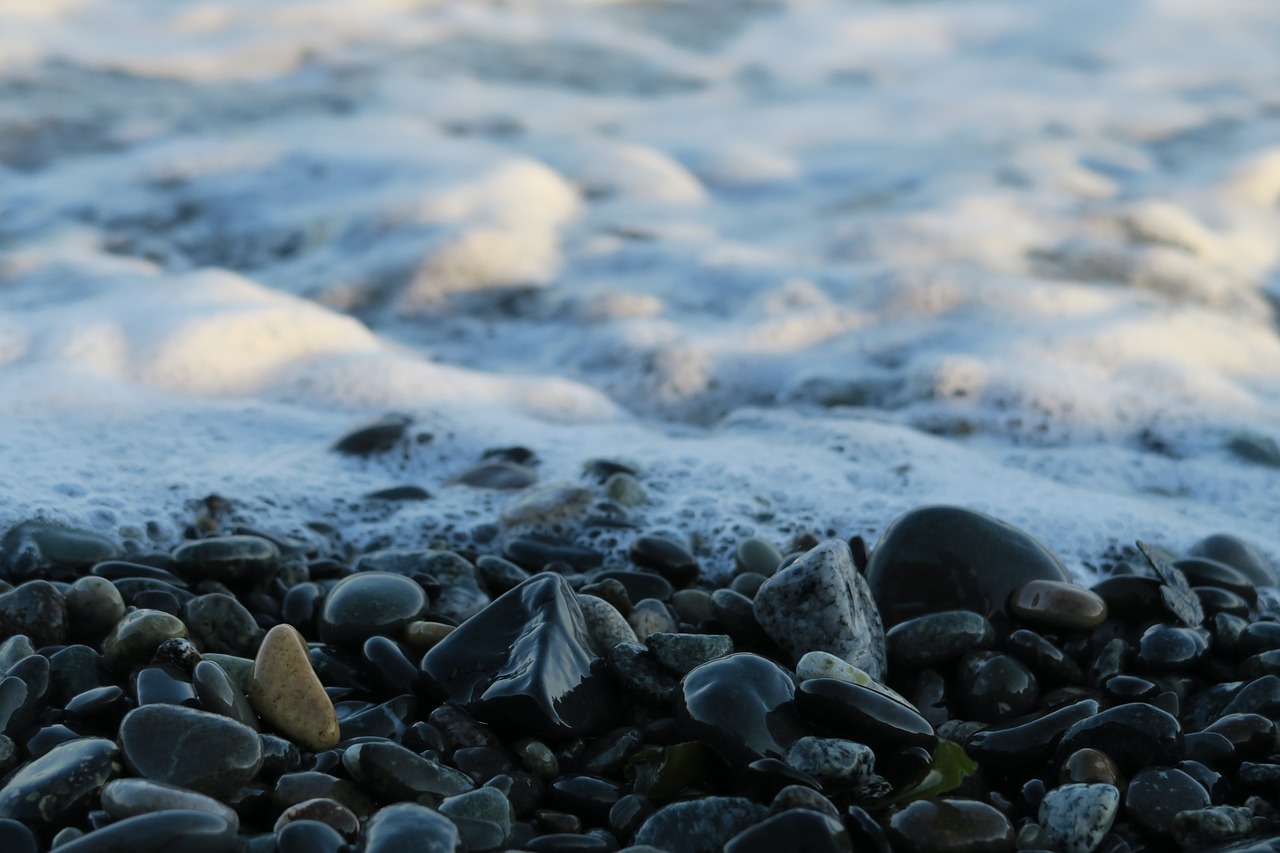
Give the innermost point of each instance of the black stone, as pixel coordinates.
(114, 570)
(163, 685)
(943, 558)
(1171, 648)
(100, 703)
(666, 557)
(16, 838)
(955, 826)
(1156, 794)
(936, 638)
(228, 559)
(639, 585)
(73, 670)
(161, 832)
(1242, 556)
(1251, 735)
(1019, 746)
(1047, 661)
(1214, 600)
(536, 553)
(994, 687)
(592, 797)
(369, 603)
(376, 436)
(860, 714)
(525, 662)
(391, 772)
(388, 720)
(217, 694)
(1133, 735)
(1201, 571)
(36, 609)
(1121, 689)
(742, 705)
(408, 826)
(797, 830)
(309, 836)
(60, 784)
(193, 749)
(1131, 598)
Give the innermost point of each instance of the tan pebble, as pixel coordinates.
(1058, 605)
(421, 636)
(286, 693)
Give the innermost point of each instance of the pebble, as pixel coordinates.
(822, 603)
(409, 826)
(1075, 817)
(827, 665)
(61, 783)
(219, 695)
(951, 826)
(994, 687)
(797, 829)
(625, 490)
(1171, 648)
(365, 604)
(1018, 746)
(497, 474)
(158, 832)
(375, 436)
(135, 638)
(94, 606)
(326, 811)
(125, 798)
(536, 553)
(193, 749)
(421, 636)
(228, 559)
(639, 673)
(832, 759)
(285, 691)
(1057, 605)
(1134, 735)
(499, 575)
(937, 638)
(650, 616)
(484, 804)
(863, 715)
(525, 661)
(757, 555)
(308, 836)
(699, 826)
(1244, 557)
(666, 557)
(682, 653)
(31, 547)
(36, 609)
(742, 705)
(1197, 827)
(15, 649)
(1157, 794)
(392, 772)
(1089, 766)
(606, 627)
(407, 492)
(221, 624)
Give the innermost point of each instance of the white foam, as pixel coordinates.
(806, 264)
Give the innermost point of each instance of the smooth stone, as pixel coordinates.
(625, 490)
(324, 810)
(160, 832)
(650, 616)
(1021, 745)
(682, 653)
(1265, 663)
(1197, 827)
(392, 772)
(1244, 557)
(638, 672)
(125, 798)
(221, 624)
(1203, 572)
(536, 553)
(497, 474)
(364, 604)
(309, 836)
(943, 558)
(37, 610)
(525, 662)
(162, 684)
(1090, 767)
(73, 670)
(1047, 661)
(14, 649)
(229, 559)
(936, 638)
(666, 557)
(293, 788)
(601, 470)
(498, 575)
(484, 804)
(863, 715)
(607, 755)
(409, 826)
(406, 492)
(951, 826)
(994, 687)
(796, 829)
(827, 665)
(606, 627)
(592, 797)
(193, 749)
(1129, 688)
(802, 797)
(748, 583)
(219, 695)
(99, 702)
(60, 783)
(1172, 648)
(822, 603)
(178, 652)
(1135, 735)
(1260, 696)
(699, 826)
(135, 638)
(422, 635)
(1076, 817)
(16, 838)
(1058, 605)
(757, 555)
(552, 510)
(30, 547)
(639, 585)
(742, 706)
(94, 606)
(286, 693)
(114, 570)
(1157, 794)
(832, 759)
(1251, 735)
(1258, 637)
(238, 669)
(376, 436)
(1131, 598)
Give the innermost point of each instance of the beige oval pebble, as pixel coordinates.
(421, 636)
(286, 693)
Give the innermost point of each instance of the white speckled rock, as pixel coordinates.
(821, 603)
(1075, 817)
(832, 759)
(606, 627)
(827, 665)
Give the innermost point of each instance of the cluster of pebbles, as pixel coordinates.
(244, 693)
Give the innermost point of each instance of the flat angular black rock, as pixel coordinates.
(944, 558)
(742, 706)
(59, 783)
(1134, 736)
(524, 662)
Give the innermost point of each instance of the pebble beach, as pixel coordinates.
(679, 426)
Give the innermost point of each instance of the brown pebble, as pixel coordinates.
(286, 693)
(1091, 767)
(327, 811)
(421, 636)
(1058, 605)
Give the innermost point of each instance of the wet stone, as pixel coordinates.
(625, 490)
(802, 797)
(366, 604)
(198, 832)
(1057, 605)
(1075, 817)
(822, 603)
(748, 583)
(1243, 556)
(31, 547)
(666, 557)
(1131, 598)
(1016, 746)
(376, 436)
(525, 661)
(638, 584)
(1157, 794)
(757, 555)
(193, 749)
(682, 653)
(308, 836)
(1196, 827)
(16, 838)
(497, 474)
(860, 714)
(650, 616)
(228, 559)
(1251, 735)
(1171, 648)
(14, 649)
(1090, 767)
(936, 638)
(1047, 661)
(483, 804)
(218, 695)
(125, 798)
(1260, 696)
(606, 627)
(324, 810)
(797, 829)
(73, 670)
(408, 826)
(220, 623)
(994, 687)
(699, 826)
(1135, 735)
(94, 606)
(100, 703)
(536, 553)
(284, 690)
(60, 783)
(640, 674)
(36, 609)
(832, 759)
(742, 705)
(498, 575)
(951, 826)
(163, 684)
(392, 772)
(941, 557)
(135, 638)
(406, 492)
(590, 796)
(1204, 572)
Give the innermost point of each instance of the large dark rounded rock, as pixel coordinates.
(525, 662)
(944, 557)
(59, 783)
(1157, 794)
(369, 603)
(193, 749)
(1244, 557)
(742, 705)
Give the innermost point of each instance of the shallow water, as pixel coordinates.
(806, 264)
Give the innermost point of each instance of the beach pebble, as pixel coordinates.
(796, 829)
(220, 623)
(14, 649)
(484, 804)
(497, 474)
(37, 610)
(994, 687)
(1157, 794)
(666, 557)
(606, 627)
(157, 832)
(1057, 605)
(757, 555)
(625, 490)
(1090, 767)
(286, 693)
(863, 715)
(699, 826)
(821, 603)
(650, 616)
(30, 547)
(193, 749)
(937, 638)
(681, 653)
(639, 673)
(832, 759)
(369, 603)
(308, 836)
(94, 606)
(125, 798)
(375, 436)
(1076, 817)
(218, 694)
(1244, 557)
(498, 575)
(944, 557)
(742, 705)
(409, 826)
(136, 637)
(326, 811)
(60, 783)
(951, 826)
(1171, 648)
(391, 772)
(1196, 827)
(228, 559)
(1134, 735)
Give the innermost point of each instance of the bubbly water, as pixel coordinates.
(805, 263)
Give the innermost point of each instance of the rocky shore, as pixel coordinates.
(949, 689)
